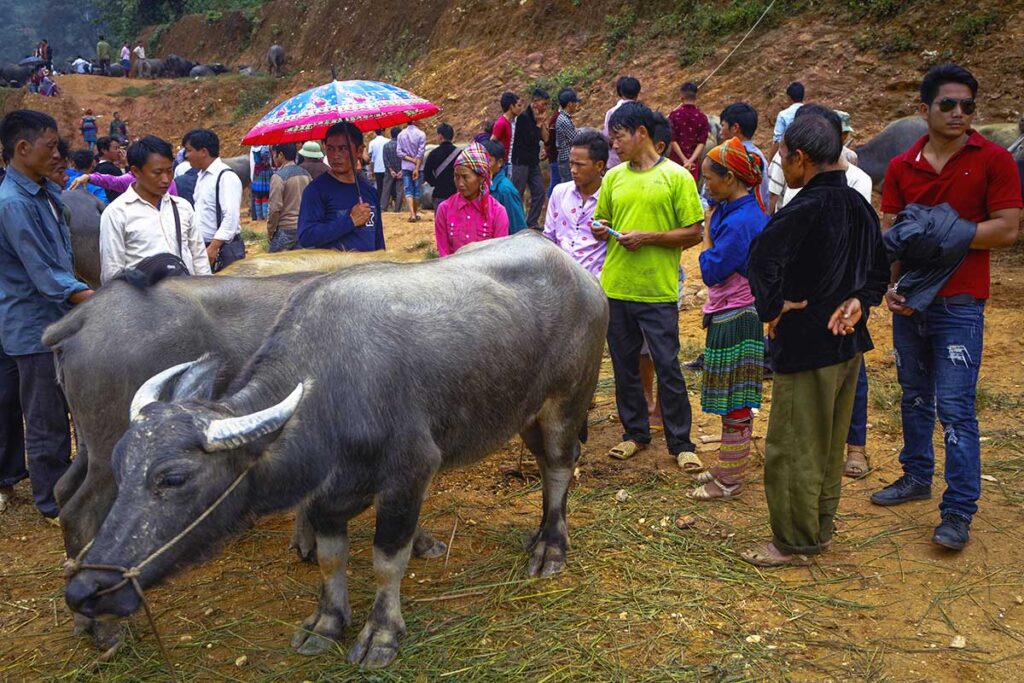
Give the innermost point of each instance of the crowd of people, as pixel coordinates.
(791, 253)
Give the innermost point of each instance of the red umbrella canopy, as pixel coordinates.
(367, 104)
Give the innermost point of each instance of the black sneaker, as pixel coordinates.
(903, 490)
(695, 364)
(953, 533)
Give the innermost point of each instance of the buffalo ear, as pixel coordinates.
(199, 381)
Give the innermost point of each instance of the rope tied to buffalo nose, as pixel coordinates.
(130, 575)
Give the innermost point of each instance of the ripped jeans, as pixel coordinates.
(938, 355)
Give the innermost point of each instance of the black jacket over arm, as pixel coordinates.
(825, 246)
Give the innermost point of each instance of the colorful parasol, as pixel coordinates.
(367, 104)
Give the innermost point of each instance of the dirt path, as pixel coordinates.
(641, 599)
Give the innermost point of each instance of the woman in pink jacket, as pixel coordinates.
(471, 214)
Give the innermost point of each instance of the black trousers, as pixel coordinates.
(47, 427)
(379, 178)
(629, 324)
(527, 176)
(12, 437)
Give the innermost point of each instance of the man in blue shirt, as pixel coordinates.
(341, 210)
(503, 189)
(83, 162)
(37, 287)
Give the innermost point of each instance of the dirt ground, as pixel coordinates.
(640, 599)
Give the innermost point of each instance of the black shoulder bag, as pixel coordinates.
(233, 250)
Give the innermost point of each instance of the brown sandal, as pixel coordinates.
(689, 462)
(626, 450)
(856, 466)
(761, 556)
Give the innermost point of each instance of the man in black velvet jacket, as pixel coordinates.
(815, 270)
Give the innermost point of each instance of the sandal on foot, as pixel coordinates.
(705, 477)
(856, 466)
(689, 462)
(761, 556)
(705, 492)
(626, 450)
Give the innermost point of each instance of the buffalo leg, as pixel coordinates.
(303, 542)
(425, 546)
(333, 614)
(397, 513)
(553, 441)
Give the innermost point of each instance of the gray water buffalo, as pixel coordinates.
(874, 156)
(85, 209)
(177, 67)
(275, 61)
(240, 165)
(205, 70)
(151, 68)
(341, 412)
(14, 75)
(115, 71)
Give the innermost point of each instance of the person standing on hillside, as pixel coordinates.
(565, 129)
(502, 188)
(88, 128)
(104, 54)
(126, 59)
(412, 148)
(140, 57)
(376, 152)
(938, 349)
(690, 130)
(37, 278)
(286, 187)
(439, 169)
(815, 270)
(628, 90)
(652, 205)
(218, 199)
(795, 93)
(531, 134)
(504, 128)
(146, 224)
(119, 129)
(340, 210)
(394, 190)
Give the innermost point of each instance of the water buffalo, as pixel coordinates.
(14, 75)
(341, 412)
(115, 71)
(151, 68)
(177, 67)
(240, 165)
(85, 209)
(275, 61)
(204, 70)
(874, 156)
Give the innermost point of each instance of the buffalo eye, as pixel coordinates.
(173, 479)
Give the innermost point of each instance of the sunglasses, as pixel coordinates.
(948, 104)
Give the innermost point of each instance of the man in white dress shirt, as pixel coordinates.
(217, 198)
(145, 221)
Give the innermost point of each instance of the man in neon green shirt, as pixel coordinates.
(650, 210)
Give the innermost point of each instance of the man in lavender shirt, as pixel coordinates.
(572, 204)
(412, 146)
(628, 89)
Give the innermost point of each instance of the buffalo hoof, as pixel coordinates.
(426, 546)
(530, 540)
(376, 646)
(319, 632)
(547, 559)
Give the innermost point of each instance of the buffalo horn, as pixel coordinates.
(154, 386)
(233, 432)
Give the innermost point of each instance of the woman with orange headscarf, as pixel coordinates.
(734, 350)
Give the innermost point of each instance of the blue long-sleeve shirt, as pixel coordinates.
(37, 274)
(324, 221)
(94, 189)
(507, 195)
(734, 225)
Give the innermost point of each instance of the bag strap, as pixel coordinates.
(447, 162)
(216, 194)
(177, 224)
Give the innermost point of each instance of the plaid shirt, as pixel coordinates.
(565, 131)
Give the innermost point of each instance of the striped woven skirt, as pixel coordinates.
(733, 362)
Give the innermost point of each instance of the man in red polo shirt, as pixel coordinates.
(938, 349)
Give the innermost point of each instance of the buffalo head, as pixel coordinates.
(178, 457)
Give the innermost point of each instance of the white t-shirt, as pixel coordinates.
(377, 153)
(855, 178)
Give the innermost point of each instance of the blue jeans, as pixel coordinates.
(555, 176)
(858, 434)
(413, 188)
(938, 355)
(284, 240)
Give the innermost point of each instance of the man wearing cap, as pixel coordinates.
(311, 159)
(848, 155)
